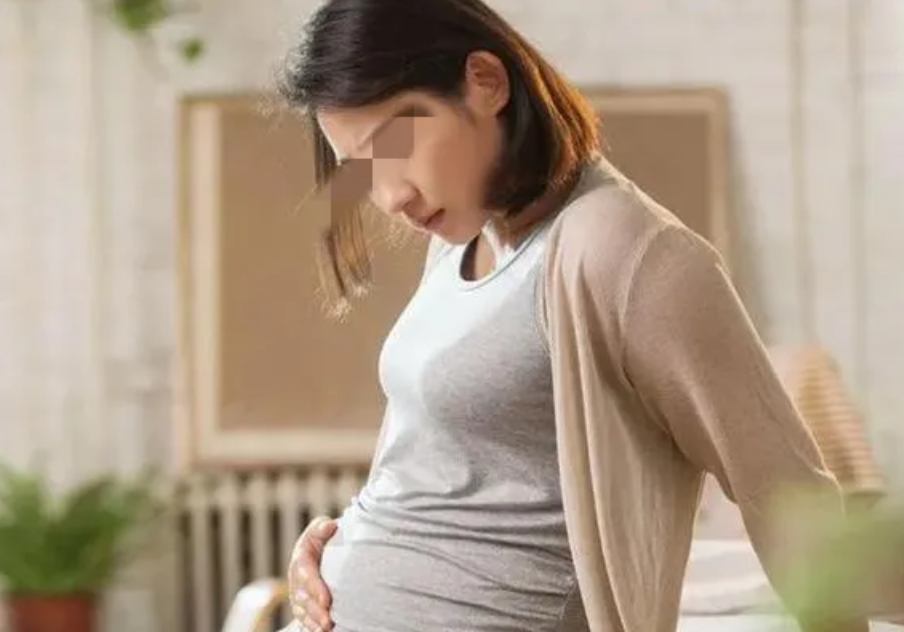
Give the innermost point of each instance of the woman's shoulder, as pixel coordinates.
(608, 219)
(608, 210)
(608, 229)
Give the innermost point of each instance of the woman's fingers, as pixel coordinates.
(309, 595)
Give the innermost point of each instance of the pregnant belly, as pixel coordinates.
(382, 581)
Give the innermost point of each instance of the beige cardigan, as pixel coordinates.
(659, 377)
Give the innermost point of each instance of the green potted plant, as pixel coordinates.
(58, 553)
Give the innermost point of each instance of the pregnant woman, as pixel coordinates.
(572, 363)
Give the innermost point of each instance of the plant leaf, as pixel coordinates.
(76, 544)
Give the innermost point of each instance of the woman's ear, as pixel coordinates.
(487, 88)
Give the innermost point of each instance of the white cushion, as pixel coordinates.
(725, 576)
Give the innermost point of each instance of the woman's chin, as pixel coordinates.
(443, 226)
(455, 235)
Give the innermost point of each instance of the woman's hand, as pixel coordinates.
(308, 594)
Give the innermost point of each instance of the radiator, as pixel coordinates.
(233, 528)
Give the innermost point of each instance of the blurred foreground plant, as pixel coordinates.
(854, 567)
(141, 17)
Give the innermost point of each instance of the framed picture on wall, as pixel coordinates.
(266, 376)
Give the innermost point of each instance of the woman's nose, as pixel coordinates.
(394, 198)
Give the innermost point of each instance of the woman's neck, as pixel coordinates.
(504, 233)
(500, 247)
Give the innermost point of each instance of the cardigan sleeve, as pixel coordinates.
(696, 362)
(692, 354)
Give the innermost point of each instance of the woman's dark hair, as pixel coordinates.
(360, 52)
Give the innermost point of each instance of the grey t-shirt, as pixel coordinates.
(460, 526)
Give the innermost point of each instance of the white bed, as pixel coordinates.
(726, 590)
(753, 623)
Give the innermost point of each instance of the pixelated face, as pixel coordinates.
(423, 158)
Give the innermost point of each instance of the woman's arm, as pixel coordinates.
(694, 358)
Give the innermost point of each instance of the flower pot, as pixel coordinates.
(52, 613)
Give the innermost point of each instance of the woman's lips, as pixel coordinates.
(432, 221)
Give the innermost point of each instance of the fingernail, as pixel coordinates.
(323, 526)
